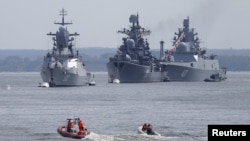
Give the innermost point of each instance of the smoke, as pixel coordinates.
(215, 18)
(203, 15)
(164, 31)
(207, 13)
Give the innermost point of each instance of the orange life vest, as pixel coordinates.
(80, 124)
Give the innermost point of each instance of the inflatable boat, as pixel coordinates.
(62, 130)
(140, 131)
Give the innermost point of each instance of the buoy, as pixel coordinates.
(44, 84)
(116, 81)
(92, 83)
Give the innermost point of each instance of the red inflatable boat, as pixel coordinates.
(62, 130)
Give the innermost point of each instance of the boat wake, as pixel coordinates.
(144, 137)
(99, 137)
(140, 137)
(121, 137)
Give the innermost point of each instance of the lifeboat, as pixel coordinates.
(62, 130)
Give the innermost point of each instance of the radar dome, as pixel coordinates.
(130, 43)
(183, 47)
(61, 29)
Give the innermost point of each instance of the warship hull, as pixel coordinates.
(176, 72)
(128, 72)
(63, 77)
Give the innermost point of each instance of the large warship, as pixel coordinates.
(187, 61)
(133, 62)
(64, 66)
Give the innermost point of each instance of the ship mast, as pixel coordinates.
(62, 38)
(63, 13)
(136, 31)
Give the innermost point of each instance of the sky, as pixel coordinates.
(220, 24)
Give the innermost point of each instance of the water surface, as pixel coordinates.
(179, 111)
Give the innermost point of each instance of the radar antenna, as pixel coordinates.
(63, 13)
(136, 29)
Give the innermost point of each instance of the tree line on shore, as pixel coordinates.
(31, 61)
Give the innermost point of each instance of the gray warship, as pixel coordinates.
(64, 66)
(133, 61)
(187, 61)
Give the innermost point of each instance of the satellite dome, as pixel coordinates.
(61, 29)
(130, 43)
(183, 47)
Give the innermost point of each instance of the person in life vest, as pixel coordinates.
(69, 125)
(80, 125)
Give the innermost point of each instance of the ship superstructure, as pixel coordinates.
(133, 62)
(187, 61)
(64, 66)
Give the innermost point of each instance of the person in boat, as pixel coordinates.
(144, 127)
(80, 125)
(69, 125)
(149, 129)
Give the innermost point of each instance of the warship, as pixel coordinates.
(187, 61)
(133, 61)
(64, 66)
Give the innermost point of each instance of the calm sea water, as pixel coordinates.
(179, 111)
